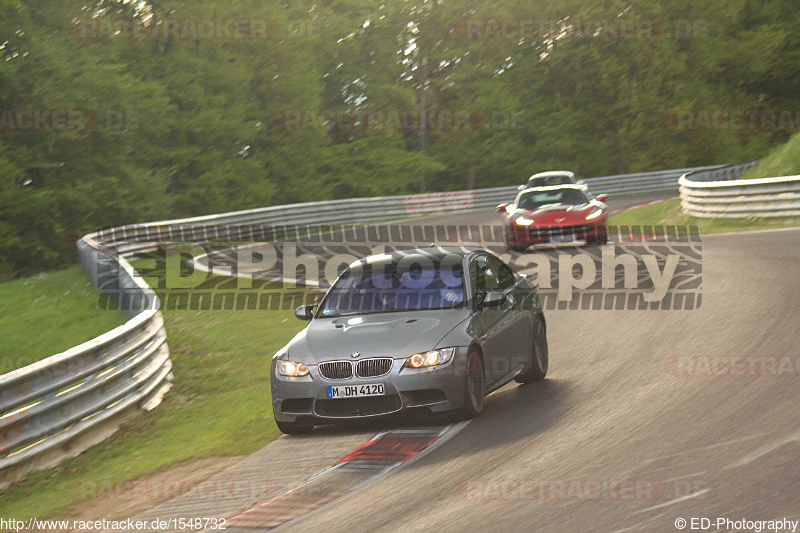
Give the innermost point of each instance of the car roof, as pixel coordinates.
(550, 173)
(551, 188)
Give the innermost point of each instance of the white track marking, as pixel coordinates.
(676, 500)
(764, 450)
(750, 232)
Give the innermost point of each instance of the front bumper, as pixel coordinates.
(434, 389)
(527, 235)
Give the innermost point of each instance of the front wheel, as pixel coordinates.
(291, 428)
(474, 387)
(539, 357)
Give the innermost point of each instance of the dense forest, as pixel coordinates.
(119, 111)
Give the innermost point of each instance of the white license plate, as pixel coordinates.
(562, 238)
(356, 391)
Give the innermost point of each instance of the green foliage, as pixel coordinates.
(186, 127)
(669, 213)
(781, 161)
(48, 313)
(218, 406)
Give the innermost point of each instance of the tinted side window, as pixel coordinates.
(484, 274)
(505, 276)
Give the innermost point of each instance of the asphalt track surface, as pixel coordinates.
(617, 439)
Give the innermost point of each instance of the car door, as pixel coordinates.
(516, 328)
(487, 323)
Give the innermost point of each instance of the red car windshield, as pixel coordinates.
(538, 199)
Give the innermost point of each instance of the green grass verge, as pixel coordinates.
(49, 313)
(783, 160)
(668, 213)
(219, 405)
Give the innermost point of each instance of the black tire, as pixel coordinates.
(540, 355)
(474, 387)
(291, 428)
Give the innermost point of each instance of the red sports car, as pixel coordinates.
(562, 213)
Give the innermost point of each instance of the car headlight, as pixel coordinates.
(430, 358)
(290, 368)
(523, 221)
(596, 212)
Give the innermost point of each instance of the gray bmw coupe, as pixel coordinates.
(409, 330)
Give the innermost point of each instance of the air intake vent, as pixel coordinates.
(336, 370)
(348, 407)
(370, 368)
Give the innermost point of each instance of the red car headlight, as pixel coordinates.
(596, 212)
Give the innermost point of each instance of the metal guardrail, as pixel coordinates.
(56, 407)
(625, 184)
(252, 224)
(61, 405)
(717, 193)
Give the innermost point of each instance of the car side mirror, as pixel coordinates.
(602, 197)
(492, 299)
(502, 207)
(304, 312)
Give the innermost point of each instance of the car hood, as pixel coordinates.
(549, 214)
(398, 334)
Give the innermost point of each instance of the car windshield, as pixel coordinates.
(539, 199)
(413, 283)
(549, 181)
